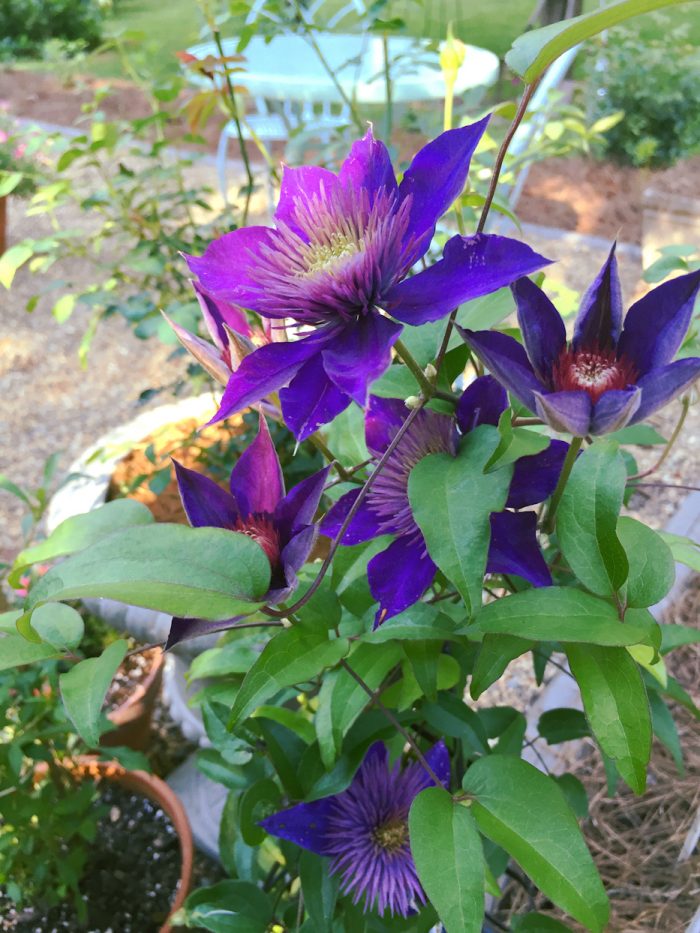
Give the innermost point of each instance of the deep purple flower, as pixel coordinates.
(256, 506)
(364, 830)
(336, 264)
(609, 375)
(400, 575)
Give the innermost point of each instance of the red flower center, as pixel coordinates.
(261, 529)
(593, 371)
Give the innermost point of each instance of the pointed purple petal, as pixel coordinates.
(567, 412)
(614, 409)
(360, 353)
(216, 313)
(599, 320)
(294, 555)
(299, 506)
(439, 760)
(206, 354)
(266, 370)
(305, 825)
(435, 179)
(225, 269)
(482, 402)
(383, 419)
(543, 330)
(507, 360)
(365, 525)
(662, 385)
(311, 399)
(184, 629)
(535, 478)
(368, 166)
(514, 547)
(470, 267)
(304, 182)
(656, 324)
(400, 575)
(256, 479)
(205, 503)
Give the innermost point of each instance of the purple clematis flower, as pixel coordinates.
(364, 829)
(609, 375)
(401, 574)
(256, 506)
(336, 264)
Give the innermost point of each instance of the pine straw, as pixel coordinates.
(636, 841)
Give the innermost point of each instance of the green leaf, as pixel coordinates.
(58, 625)
(424, 658)
(258, 801)
(228, 831)
(342, 699)
(15, 651)
(562, 725)
(11, 260)
(665, 729)
(418, 621)
(533, 52)
(495, 654)
(616, 706)
(587, 518)
(9, 181)
(525, 812)
(294, 656)
(674, 636)
(684, 550)
(320, 890)
(559, 613)
(7, 485)
(226, 907)
(487, 311)
(350, 574)
(451, 871)
(346, 436)
(84, 687)
(575, 793)
(452, 500)
(207, 573)
(651, 566)
(290, 719)
(643, 435)
(79, 531)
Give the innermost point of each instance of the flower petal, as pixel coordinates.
(439, 760)
(661, 385)
(400, 575)
(299, 506)
(206, 354)
(656, 324)
(568, 412)
(614, 409)
(599, 320)
(535, 478)
(294, 555)
(205, 503)
(225, 269)
(368, 166)
(360, 353)
(305, 825)
(311, 399)
(216, 313)
(366, 524)
(266, 370)
(435, 179)
(507, 360)
(514, 547)
(543, 330)
(383, 419)
(470, 267)
(256, 480)
(482, 402)
(304, 182)
(184, 629)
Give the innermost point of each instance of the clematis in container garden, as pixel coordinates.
(461, 527)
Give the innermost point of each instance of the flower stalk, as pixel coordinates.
(574, 448)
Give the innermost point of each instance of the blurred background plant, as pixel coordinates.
(25, 25)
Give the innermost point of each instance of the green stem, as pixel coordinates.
(233, 108)
(671, 441)
(572, 453)
(389, 113)
(449, 99)
(406, 357)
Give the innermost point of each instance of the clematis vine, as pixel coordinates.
(257, 506)
(364, 829)
(400, 575)
(336, 264)
(610, 375)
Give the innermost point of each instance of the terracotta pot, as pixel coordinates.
(156, 790)
(133, 717)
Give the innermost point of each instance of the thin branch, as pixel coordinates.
(671, 441)
(668, 486)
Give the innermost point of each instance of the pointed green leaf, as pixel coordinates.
(84, 687)
(651, 566)
(320, 890)
(226, 907)
(15, 651)
(449, 859)
(616, 706)
(684, 550)
(495, 654)
(526, 813)
(674, 636)
(418, 621)
(294, 656)
(587, 518)
(207, 573)
(452, 499)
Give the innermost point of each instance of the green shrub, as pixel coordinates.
(655, 83)
(26, 24)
